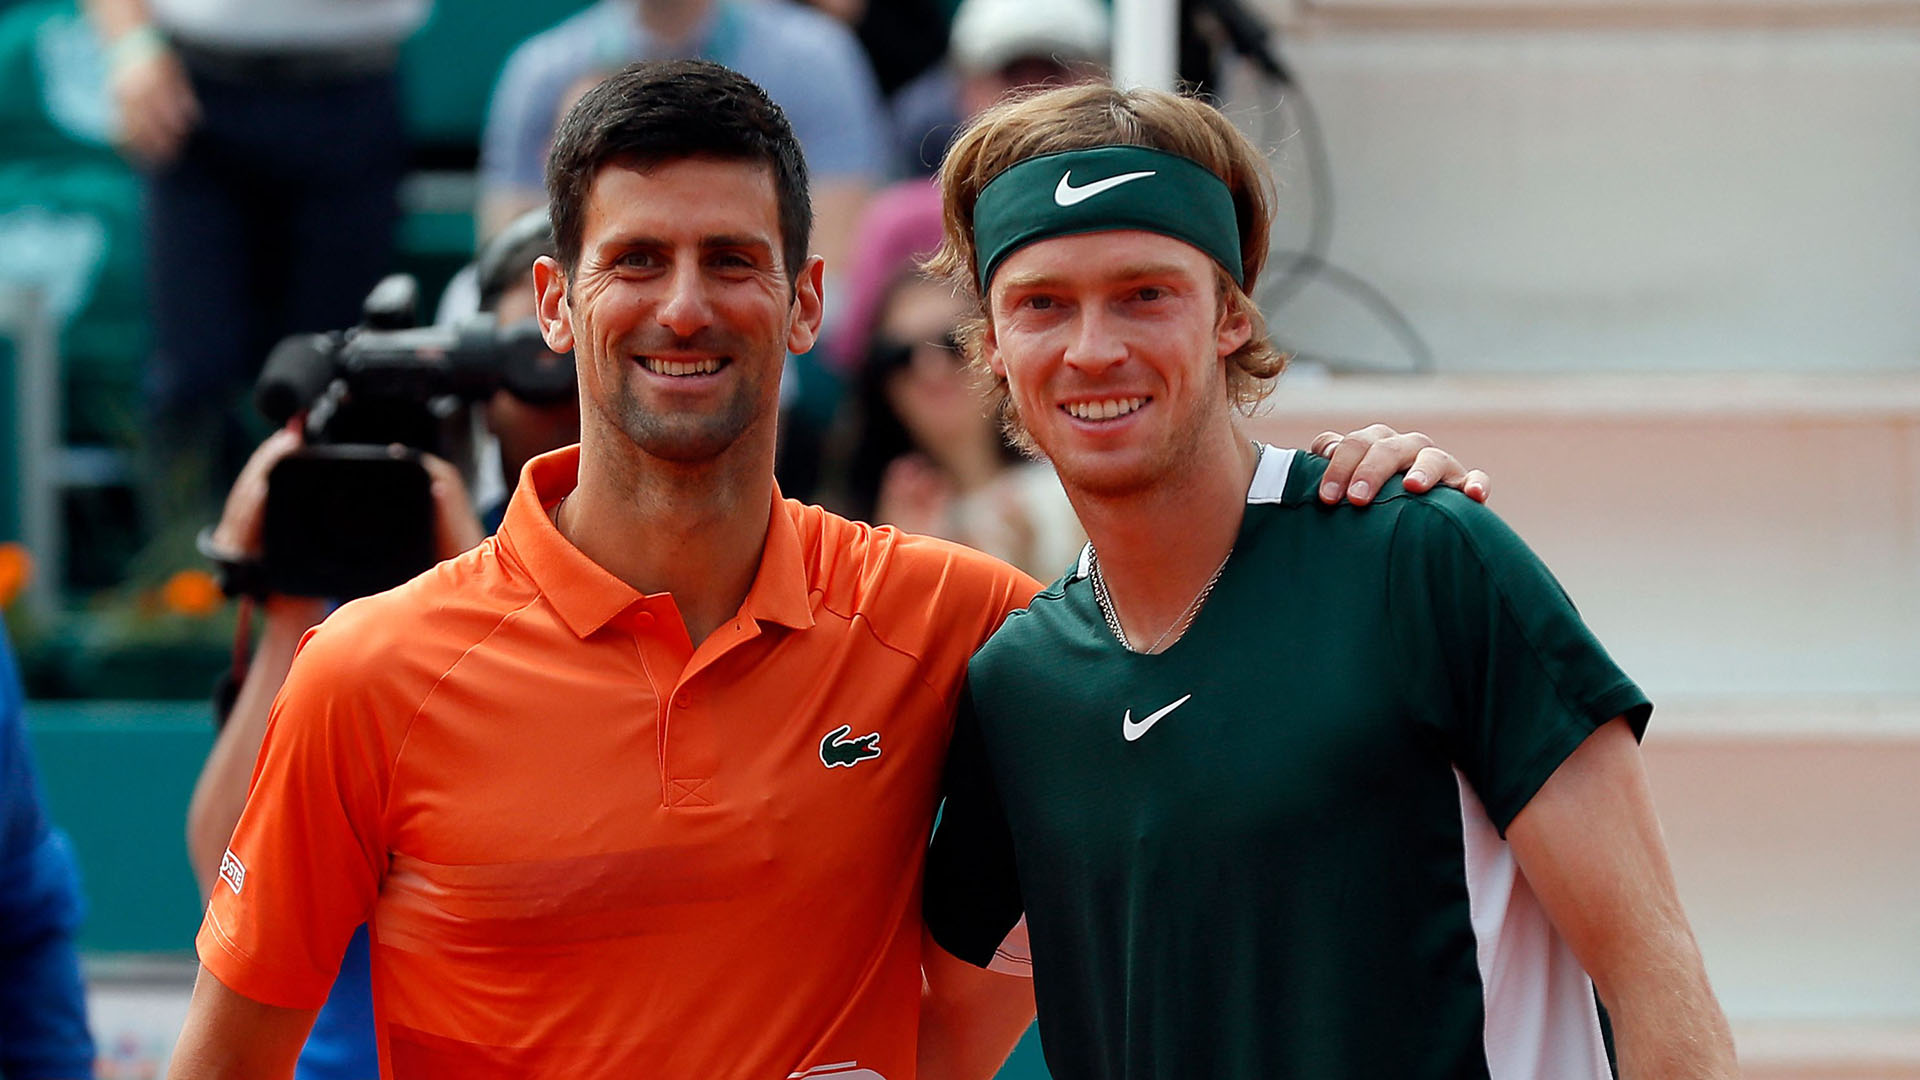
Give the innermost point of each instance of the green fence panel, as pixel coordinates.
(116, 776)
(449, 67)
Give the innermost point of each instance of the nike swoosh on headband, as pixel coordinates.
(1065, 194)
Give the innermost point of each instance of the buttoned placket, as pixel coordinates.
(686, 740)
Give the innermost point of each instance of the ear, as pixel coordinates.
(809, 305)
(990, 350)
(551, 307)
(1235, 329)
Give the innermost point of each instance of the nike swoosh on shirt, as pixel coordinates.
(1133, 731)
(1065, 194)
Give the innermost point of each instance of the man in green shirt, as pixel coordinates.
(1240, 851)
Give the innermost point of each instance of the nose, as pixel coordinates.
(685, 309)
(1096, 344)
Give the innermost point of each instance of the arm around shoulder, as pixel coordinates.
(970, 1018)
(1591, 848)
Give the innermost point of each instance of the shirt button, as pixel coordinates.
(684, 700)
(645, 618)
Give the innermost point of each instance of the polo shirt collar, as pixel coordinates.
(581, 590)
(588, 597)
(779, 593)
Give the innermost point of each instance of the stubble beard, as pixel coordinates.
(694, 437)
(682, 437)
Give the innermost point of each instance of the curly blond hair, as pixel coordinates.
(1087, 116)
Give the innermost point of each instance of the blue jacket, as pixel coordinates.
(43, 1009)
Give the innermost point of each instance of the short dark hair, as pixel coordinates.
(505, 260)
(654, 112)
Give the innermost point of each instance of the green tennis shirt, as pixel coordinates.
(1277, 848)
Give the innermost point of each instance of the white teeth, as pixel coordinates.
(1104, 410)
(681, 367)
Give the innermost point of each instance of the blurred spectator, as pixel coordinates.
(271, 135)
(808, 62)
(917, 447)
(70, 228)
(522, 429)
(903, 38)
(342, 1045)
(995, 46)
(901, 226)
(43, 1011)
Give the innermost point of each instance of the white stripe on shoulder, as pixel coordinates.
(1085, 566)
(1270, 476)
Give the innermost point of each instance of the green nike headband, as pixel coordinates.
(1107, 187)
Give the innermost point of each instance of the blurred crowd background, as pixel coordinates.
(1654, 263)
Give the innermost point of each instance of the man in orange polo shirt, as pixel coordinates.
(641, 786)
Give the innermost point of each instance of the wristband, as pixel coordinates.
(238, 575)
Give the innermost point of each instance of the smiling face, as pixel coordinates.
(1114, 347)
(680, 312)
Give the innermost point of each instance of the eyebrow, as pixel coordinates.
(1125, 272)
(1130, 271)
(707, 243)
(741, 240)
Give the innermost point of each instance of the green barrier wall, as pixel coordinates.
(117, 776)
(449, 67)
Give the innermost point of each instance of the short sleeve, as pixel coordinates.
(304, 866)
(972, 898)
(1518, 680)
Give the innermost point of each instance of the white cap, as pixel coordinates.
(990, 34)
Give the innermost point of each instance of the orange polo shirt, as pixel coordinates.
(586, 848)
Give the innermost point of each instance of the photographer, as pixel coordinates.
(342, 1041)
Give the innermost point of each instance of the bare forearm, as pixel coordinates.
(970, 1019)
(972, 1042)
(230, 1037)
(221, 791)
(1591, 847)
(1666, 1023)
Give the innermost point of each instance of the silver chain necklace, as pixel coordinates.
(1180, 625)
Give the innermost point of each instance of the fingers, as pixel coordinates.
(914, 495)
(1343, 453)
(456, 526)
(1384, 460)
(1479, 486)
(1361, 461)
(1432, 466)
(243, 515)
(1323, 443)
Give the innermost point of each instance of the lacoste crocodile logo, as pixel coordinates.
(838, 750)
